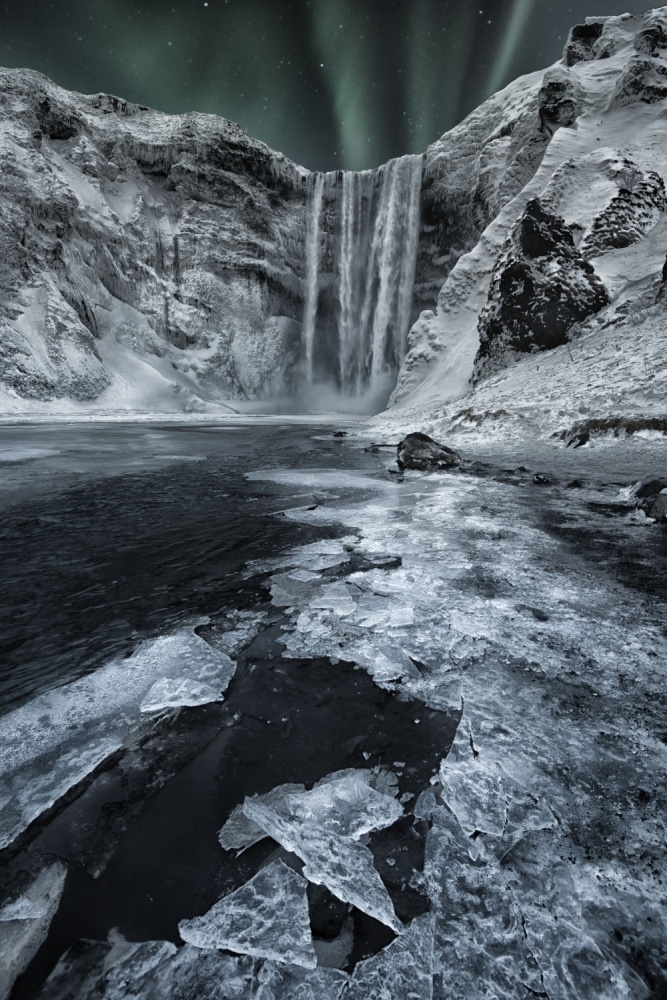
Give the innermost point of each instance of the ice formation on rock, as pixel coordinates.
(25, 922)
(55, 741)
(266, 918)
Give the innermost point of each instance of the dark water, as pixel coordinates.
(111, 539)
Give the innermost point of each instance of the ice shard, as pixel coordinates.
(340, 863)
(344, 802)
(403, 969)
(55, 741)
(285, 982)
(266, 918)
(25, 922)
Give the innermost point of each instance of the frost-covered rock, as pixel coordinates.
(266, 918)
(147, 259)
(419, 451)
(601, 168)
(541, 287)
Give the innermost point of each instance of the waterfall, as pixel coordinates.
(357, 340)
(313, 253)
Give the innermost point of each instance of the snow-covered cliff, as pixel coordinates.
(555, 311)
(156, 262)
(162, 262)
(142, 255)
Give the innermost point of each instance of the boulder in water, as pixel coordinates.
(419, 451)
(652, 499)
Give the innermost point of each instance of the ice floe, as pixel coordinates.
(340, 863)
(25, 922)
(267, 918)
(55, 741)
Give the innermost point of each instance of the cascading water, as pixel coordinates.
(356, 340)
(313, 240)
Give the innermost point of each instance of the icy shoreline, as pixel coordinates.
(534, 606)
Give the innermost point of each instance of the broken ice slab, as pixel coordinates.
(341, 864)
(266, 918)
(55, 741)
(235, 630)
(346, 802)
(485, 799)
(284, 982)
(153, 970)
(403, 969)
(239, 833)
(34, 789)
(25, 922)
(179, 692)
(472, 786)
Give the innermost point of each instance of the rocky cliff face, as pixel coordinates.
(576, 181)
(141, 251)
(541, 286)
(158, 262)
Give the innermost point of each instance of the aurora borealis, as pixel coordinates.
(331, 83)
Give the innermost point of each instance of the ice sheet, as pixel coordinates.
(547, 844)
(343, 865)
(403, 969)
(52, 743)
(266, 918)
(25, 922)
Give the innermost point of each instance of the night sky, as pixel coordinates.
(331, 83)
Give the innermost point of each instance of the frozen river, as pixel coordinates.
(469, 668)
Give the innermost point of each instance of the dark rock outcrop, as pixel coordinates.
(541, 287)
(579, 440)
(583, 43)
(420, 452)
(628, 216)
(651, 497)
